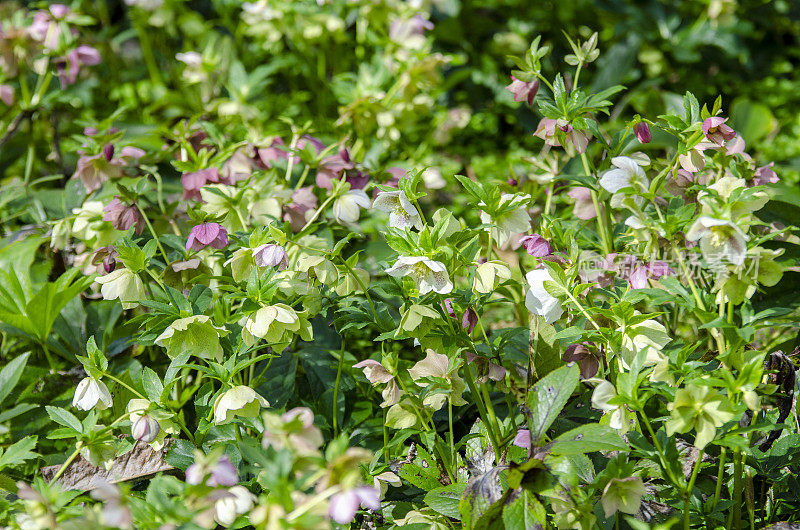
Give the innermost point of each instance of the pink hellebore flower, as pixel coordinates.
(716, 131)
(584, 207)
(303, 200)
(122, 216)
(448, 306)
(485, 368)
(578, 139)
(7, 94)
(222, 473)
(331, 167)
(536, 246)
(765, 175)
(193, 181)
(69, 66)
(271, 256)
(344, 505)
(267, 155)
(642, 132)
(206, 234)
(523, 91)
(546, 130)
(523, 439)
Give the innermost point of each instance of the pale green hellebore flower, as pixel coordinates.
(701, 408)
(623, 495)
(124, 284)
(238, 401)
(196, 334)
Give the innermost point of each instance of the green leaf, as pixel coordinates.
(19, 452)
(587, 439)
(445, 500)
(64, 417)
(472, 188)
(152, 385)
(523, 511)
(10, 374)
(548, 397)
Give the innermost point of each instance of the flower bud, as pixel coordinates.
(109, 264)
(145, 429)
(642, 132)
(108, 151)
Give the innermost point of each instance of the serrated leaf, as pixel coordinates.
(63, 417)
(587, 439)
(548, 396)
(445, 499)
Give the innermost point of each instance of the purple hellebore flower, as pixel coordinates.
(448, 306)
(469, 320)
(122, 216)
(716, 131)
(523, 91)
(357, 180)
(223, 473)
(108, 151)
(642, 132)
(267, 155)
(303, 200)
(107, 256)
(271, 256)
(206, 234)
(546, 130)
(536, 246)
(193, 181)
(512, 181)
(331, 167)
(58, 11)
(344, 505)
(637, 278)
(69, 66)
(579, 353)
(765, 175)
(485, 368)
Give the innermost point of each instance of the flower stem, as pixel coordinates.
(124, 384)
(476, 395)
(688, 491)
(738, 471)
(336, 392)
(720, 477)
(153, 233)
(66, 463)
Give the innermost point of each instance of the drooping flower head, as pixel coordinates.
(716, 131)
(123, 216)
(344, 505)
(238, 401)
(270, 255)
(538, 300)
(216, 472)
(194, 180)
(536, 246)
(402, 213)
(719, 239)
(642, 132)
(347, 207)
(428, 274)
(626, 173)
(92, 393)
(207, 234)
(523, 91)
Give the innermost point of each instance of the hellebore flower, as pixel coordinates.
(294, 429)
(401, 212)
(642, 132)
(92, 393)
(469, 320)
(627, 173)
(536, 246)
(7, 94)
(331, 167)
(347, 208)
(602, 394)
(648, 335)
(344, 505)
(433, 179)
(516, 220)
(376, 374)
(438, 365)
(716, 131)
(122, 217)
(303, 201)
(428, 274)
(206, 234)
(538, 300)
(68, 67)
(238, 502)
(624, 495)
(578, 353)
(193, 181)
(522, 439)
(107, 256)
(701, 408)
(222, 472)
(196, 334)
(145, 429)
(584, 207)
(123, 284)
(719, 239)
(523, 91)
(485, 368)
(546, 130)
(267, 155)
(765, 175)
(273, 256)
(274, 324)
(238, 401)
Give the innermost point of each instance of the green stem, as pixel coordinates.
(124, 384)
(450, 428)
(720, 477)
(153, 233)
(738, 471)
(147, 51)
(66, 463)
(476, 395)
(687, 493)
(602, 214)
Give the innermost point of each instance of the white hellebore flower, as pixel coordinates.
(719, 239)
(429, 275)
(401, 212)
(601, 396)
(238, 401)
(516, 221)
(649, 336)
(626, 173)
(124, 284)
(346, 209)
(538, 300)
(92, 393)
(229, 507)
